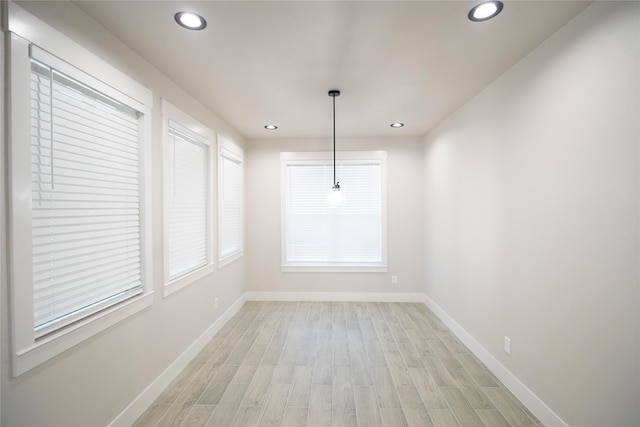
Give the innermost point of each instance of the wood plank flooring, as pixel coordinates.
(336, 364)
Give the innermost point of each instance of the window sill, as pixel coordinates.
(334, 268)
(51, 346)
(183, 281)
(228, 259)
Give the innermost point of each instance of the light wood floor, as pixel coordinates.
(336, 364)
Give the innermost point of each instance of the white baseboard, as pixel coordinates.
(526, 396)
(336, 296)
(136, 408)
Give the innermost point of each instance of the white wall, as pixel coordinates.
(532, 218)
(92, 383)
(404, 219)
(528, 197)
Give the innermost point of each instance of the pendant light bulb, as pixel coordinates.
(335, 196)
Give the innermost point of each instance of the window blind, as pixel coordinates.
(318, 233)
(86, 199)
(230, 211)
(188, 201)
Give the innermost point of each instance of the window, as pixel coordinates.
(320, 236)
(85, 201)
(79, 201)
(230, 196)
(188, 213)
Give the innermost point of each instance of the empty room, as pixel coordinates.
(320, 213)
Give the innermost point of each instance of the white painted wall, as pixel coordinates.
(92, 383)
(532, 218)
(404, 218)
(528, 197)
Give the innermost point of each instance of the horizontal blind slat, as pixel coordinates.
(85, 200)
(79, 273)
(71, 315)
(320, 233)
(188, 247)
(230, 211)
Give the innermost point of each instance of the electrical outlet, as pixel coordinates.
(215, 302)
(394, 280)
(507, 345)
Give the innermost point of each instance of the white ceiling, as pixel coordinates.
(274, 62)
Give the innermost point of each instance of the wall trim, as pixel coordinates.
(521, 391)
(140, 404)
(336, 296)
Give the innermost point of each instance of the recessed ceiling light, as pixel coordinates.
(271, 127)
(396, 125)
(484, 11)
(190, 20)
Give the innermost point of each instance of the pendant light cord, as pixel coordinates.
(333, 94)
(334, 140)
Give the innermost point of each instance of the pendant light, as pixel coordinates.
(334, 197)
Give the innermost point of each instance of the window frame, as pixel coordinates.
(234, 150)
(172, 113)
(29, 36)
(292, 157)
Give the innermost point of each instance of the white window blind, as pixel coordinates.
(230, 203)
(188, 205)
(86, 200)
(318, 233)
